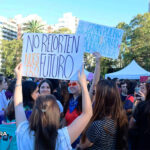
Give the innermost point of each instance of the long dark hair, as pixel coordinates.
(108, 104)
(44, 121)
(147, 108)
(10, 111)
(147, 91)
(28, 87)
(131, 87)
(79, 105)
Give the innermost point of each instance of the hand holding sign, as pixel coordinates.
(18, 71)
(82, 77)
(97, 55)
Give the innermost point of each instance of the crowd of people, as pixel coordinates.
(48, 114)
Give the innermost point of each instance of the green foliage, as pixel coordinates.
(136, 41)
(34, 27)
(10, 55)
(63, 31)
(89, 62)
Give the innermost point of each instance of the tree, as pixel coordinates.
(34, 26)
(10, 55)
(89, 62)
(63, 31)
(124, 48)
(140, 40)
(136, 41)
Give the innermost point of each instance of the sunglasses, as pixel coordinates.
(72, 84)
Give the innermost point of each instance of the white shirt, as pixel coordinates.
(3, 101)
(60, 106)
(25, 138)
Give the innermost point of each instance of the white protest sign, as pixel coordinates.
(57, 56)
(103, 39)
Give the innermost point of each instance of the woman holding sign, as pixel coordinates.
(42, 130)
(73, 107)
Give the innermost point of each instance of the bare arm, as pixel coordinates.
(79, 124)
(132, 122)
(96, 75)
(86, 144)
(18, 99)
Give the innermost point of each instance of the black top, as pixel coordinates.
(142, 117)
(123, 98)
(103, 134)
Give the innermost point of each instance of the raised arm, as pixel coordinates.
(78, 125)
(96, 76)
(18, 99)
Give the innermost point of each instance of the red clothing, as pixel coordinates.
(70, 117)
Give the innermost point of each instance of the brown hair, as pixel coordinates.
(108, 104)
(44, 121)
(148, 91)
(10, 111)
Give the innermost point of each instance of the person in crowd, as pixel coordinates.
(140, 93)
(46, 88)
(56, 88)
(11, 87)
(8, 96)
(64, 92)
(42, 130)
(108, 127)
(123, 94)
(128, 104)
(3, 87)
(30, 94)
(140, 123)
(73, 107)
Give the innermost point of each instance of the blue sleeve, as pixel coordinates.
(128, 105)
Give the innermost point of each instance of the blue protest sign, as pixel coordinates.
(103, 39)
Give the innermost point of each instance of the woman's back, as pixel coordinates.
(102, 133)
(26, 138)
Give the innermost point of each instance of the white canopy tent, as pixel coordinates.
(132, 71)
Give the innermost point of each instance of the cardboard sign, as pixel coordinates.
(57, 56)
(103, 39)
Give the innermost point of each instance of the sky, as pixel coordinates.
(104, 12)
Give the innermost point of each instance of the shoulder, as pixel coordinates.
(63, 139)
(60, 106)
(141, 106)
(139, 110)
(103, 122)
(25, 138)
(23, 128)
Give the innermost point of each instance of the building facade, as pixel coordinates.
(8, 29)
(67, 21)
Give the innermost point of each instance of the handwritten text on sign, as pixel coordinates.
(103, 39)
(56, 56)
